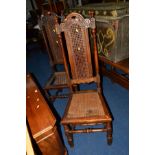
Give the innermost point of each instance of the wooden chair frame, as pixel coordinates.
(77, 76)
(57, 80)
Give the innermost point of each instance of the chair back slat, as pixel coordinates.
(48, 28)
(75, 28)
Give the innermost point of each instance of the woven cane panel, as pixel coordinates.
(76, 35)
(53, 40)
(60, 78)
(79, 55)
(85, 105)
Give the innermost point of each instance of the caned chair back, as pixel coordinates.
(75, 29)
(47, 24)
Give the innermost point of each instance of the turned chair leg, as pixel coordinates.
(69, 135)
(76, 87)
(57, 92)
(46, 93)
(109, 133)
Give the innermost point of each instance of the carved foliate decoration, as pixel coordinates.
(105, 41)
(105, 38)
(87, 23)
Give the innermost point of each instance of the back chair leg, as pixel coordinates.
(109, 133)
(72, 127)
(69, 135)
(58, 91)
(105, 125)
(76, 87)
(46, 93)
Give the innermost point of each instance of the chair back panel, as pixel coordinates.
(48, 26)
(75, 28)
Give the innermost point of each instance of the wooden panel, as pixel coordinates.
(42, 121)
(51, 144)
(38, 113)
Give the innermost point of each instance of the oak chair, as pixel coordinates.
(85, 107)
(57, 80)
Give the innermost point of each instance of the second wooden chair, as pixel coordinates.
(57, 80)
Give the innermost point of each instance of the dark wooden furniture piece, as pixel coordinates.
(50, 5)
(41, 121)
(112, 25)
(58, 79)
(85, 107)
(112, 72)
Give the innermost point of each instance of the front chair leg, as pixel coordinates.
(109, 133)
(69, 135)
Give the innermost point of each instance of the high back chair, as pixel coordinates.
(58, 79)
(85, 107)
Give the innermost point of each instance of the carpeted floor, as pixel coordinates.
(118, 101)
